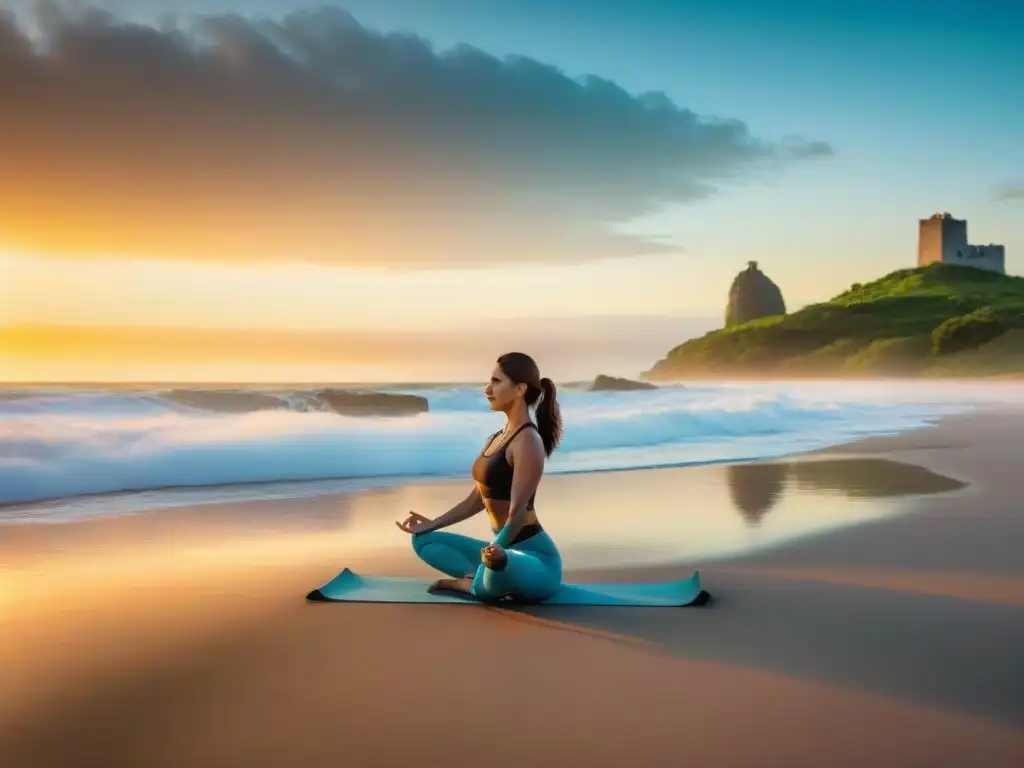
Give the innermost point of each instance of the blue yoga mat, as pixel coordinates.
(350, 587)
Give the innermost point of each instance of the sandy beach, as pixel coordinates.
(894, 640)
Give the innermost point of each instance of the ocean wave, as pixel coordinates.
(64, 443)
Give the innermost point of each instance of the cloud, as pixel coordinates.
(1010, 192)
(315, 138)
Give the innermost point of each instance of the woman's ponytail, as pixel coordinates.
(549, 416)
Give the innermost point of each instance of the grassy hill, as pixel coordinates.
(939, 320)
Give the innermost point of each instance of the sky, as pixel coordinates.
(516, 170)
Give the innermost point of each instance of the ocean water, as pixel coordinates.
(154, 446)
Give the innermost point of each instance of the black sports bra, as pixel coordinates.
(494, 474)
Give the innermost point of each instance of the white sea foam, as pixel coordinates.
(67, 442)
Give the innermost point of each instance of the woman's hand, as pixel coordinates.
(415, 523)
(494, 557)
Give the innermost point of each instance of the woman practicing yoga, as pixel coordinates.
(522, 561)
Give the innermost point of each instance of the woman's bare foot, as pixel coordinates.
(456, 585)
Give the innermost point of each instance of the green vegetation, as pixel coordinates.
(968, 331)
(939, 320)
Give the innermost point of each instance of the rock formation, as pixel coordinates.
(613, 384)
(373, 403)
(226, 400)
(345, 402)
(753, 295)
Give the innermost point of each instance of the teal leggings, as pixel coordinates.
(533, 573)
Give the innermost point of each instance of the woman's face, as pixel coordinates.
(501, 392)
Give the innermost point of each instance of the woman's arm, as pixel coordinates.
(527, 456)
(464, 510)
